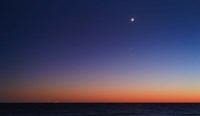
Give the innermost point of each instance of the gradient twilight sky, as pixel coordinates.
(90, 51)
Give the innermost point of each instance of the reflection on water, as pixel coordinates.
(112, 109)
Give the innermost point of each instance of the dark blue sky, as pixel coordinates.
(97, 36)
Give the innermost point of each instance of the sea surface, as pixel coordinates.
(100, 109)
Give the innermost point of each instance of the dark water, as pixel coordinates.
(103, 109)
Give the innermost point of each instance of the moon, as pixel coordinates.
(132, 19)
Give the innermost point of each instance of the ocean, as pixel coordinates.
(100, 109)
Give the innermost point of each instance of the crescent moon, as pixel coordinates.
(132, 19)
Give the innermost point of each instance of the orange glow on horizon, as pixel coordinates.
(104, 91)
(106, 96)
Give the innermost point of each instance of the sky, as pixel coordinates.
(90, 51)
